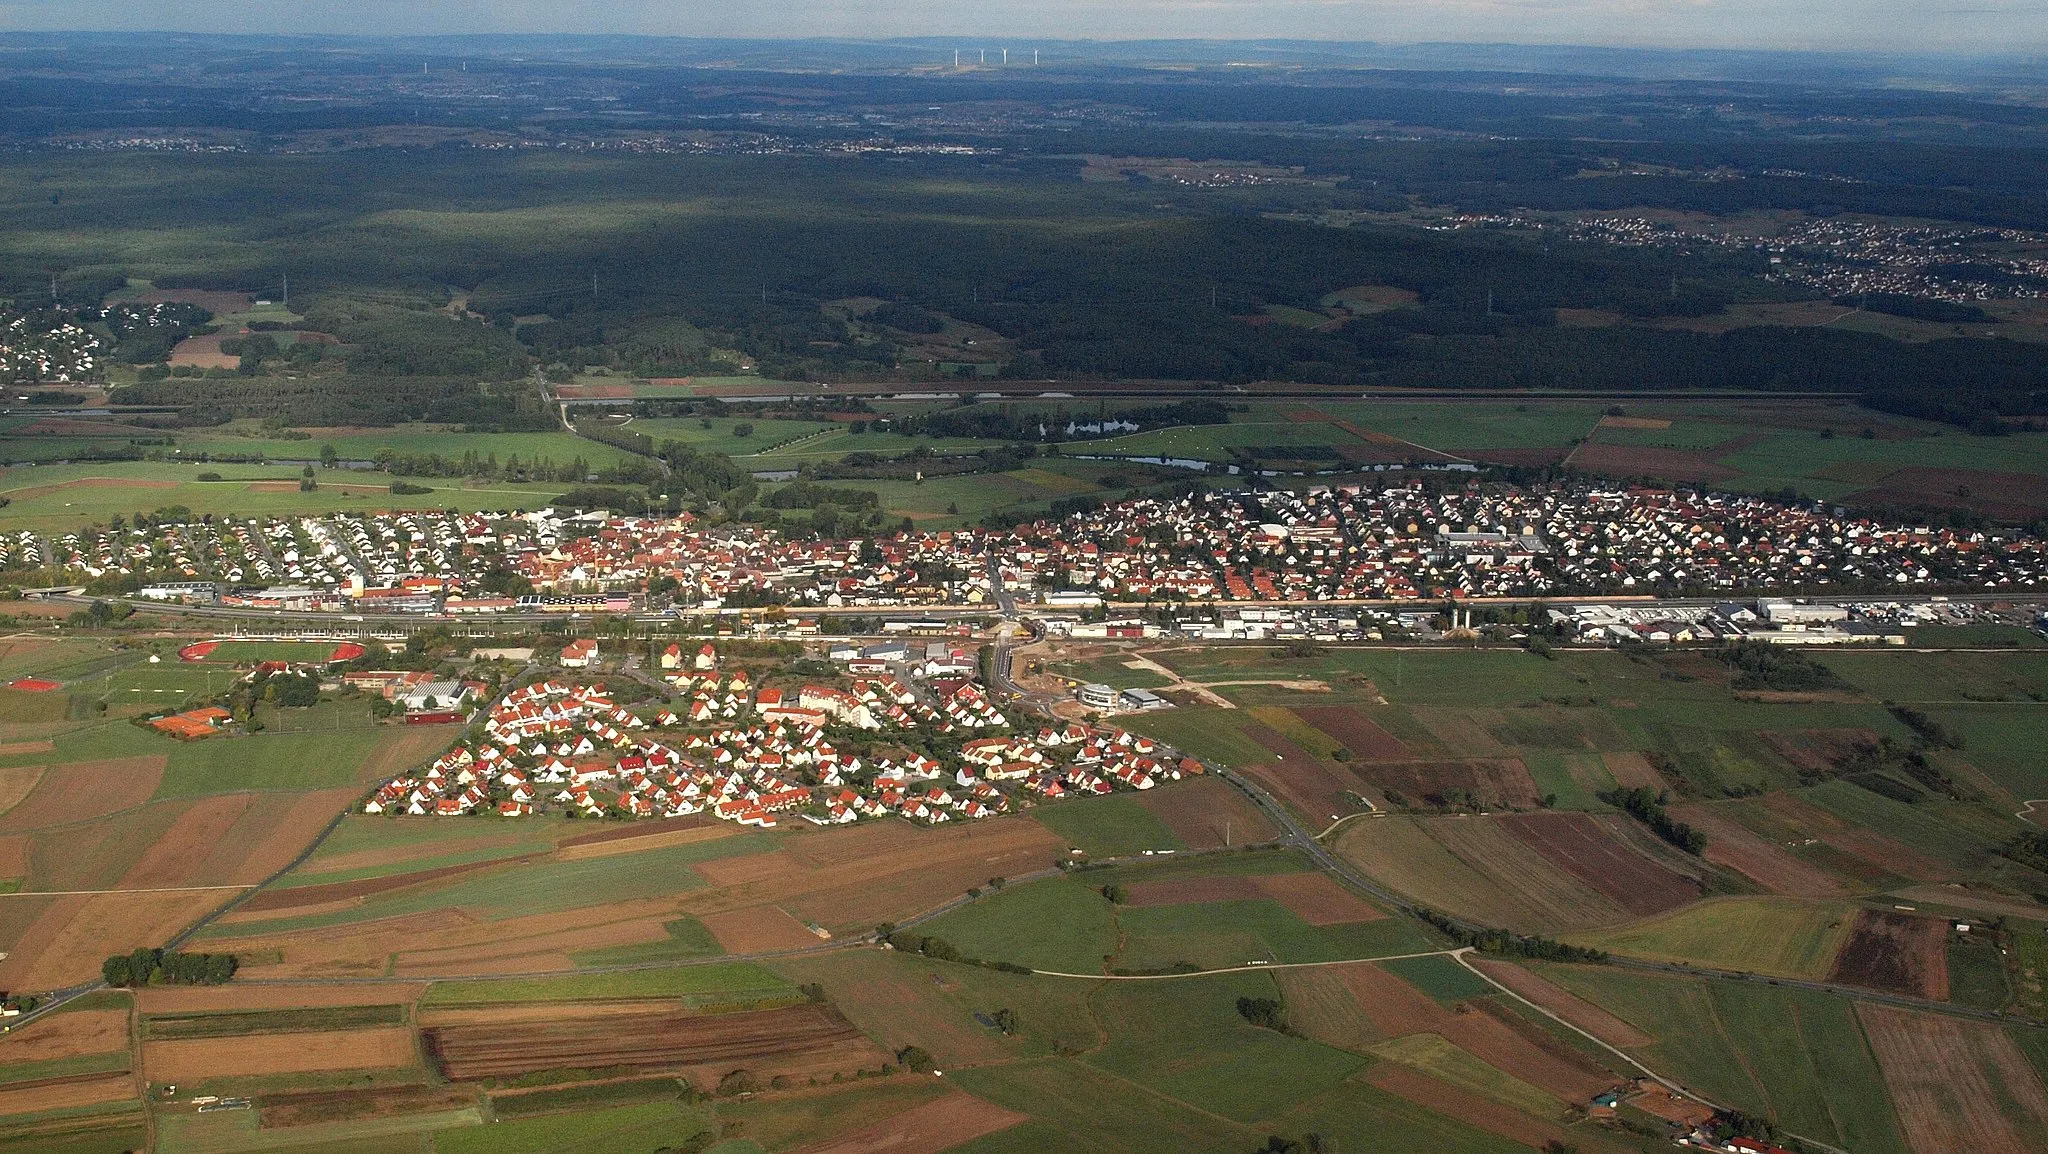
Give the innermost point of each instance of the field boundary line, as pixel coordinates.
(1253, 968)
(96, 893)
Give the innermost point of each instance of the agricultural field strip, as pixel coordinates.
(1260, 967)
(94, 893)
(1459, 956)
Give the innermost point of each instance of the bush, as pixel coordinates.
(1262, 1012)
(407, 489)
(914, 1059)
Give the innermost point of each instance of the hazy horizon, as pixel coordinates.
(2001, 27)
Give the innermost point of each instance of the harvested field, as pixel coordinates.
(1578, 845)
(1756, 858)
(1565, 1004)
(17, 748)
(85, 789)
(1207, 813)
(928, 1129)
(1398, 1008)
(1312, 788)
(203, 352)
(1885, 854)
(311, 1108)
(66, 943)
(1691, 465)
(2016, 495)
(17, 783)
(1317, 899)
(758, 930)
(1896, 952)
(299, 897)
(449, 942)
(1494, 782)
(1191, 891)
(632, 840)
(14, 855)
(196, 1059)
(1464, 1105)
(1349, 727)
(1632, 771)
(1524, 884)
(173, 858)
(655, 1041)
(1959, 1087)
(384, 857)
(66, 1093)
(272, 833)
(898, 1002)
(1462, 732)
(1395, 1007)
(66, 1035)
(1321, 1006)
(1470, 866)
(229, 999)
(926, 873)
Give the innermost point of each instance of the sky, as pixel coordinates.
(1969, 26)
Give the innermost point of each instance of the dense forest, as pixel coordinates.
(445, 275)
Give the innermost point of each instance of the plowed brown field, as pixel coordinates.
(1756, 858)
(654, 1041)
(1495, 782)
(194, 1059)
(1690, 465)
(758, 930)
(1398, 1008)
(1896, 952)
(85, 789)
(1207, 813)
(928, 1129)
(173, 858)
(14, 855)
(65, 1093)
(1959, 1087)
(1315, 788)
(16, 783)
(1467, 1107)
(1317, 899)
(1348, 726)
(1881, 852)
(66, 1035)
(1525, 885)
(1565, 1004)
(1581, 848)
(2019, 496)
(1632, 771)
(69, 939)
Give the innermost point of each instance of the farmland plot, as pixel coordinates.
(1960, 1087)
